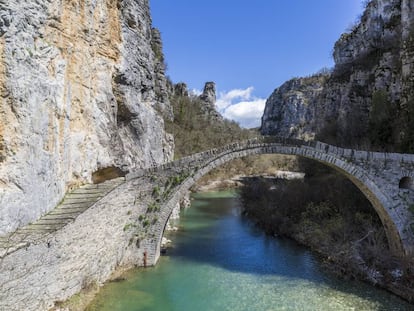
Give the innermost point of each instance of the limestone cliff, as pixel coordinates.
(208, 98)
(290, 110)
(373, 73)
(82, 88)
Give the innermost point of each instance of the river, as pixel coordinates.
(220, 261)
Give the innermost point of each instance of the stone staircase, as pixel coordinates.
(74, 203)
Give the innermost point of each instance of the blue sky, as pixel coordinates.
(248, 48)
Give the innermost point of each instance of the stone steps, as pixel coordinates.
(83, 195)
(48, 221)
(57, 216)
(73, 204)
(68, 211)
(41, 228)
(85, 201)
(79, 204)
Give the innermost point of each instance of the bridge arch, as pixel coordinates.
(400, 241)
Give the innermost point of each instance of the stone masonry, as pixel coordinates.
(384, 178)
(124, 226)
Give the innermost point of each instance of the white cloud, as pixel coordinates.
(248, 114)
(241, 106)
(195, 92)
(226, 99)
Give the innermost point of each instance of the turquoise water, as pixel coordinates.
(219, 261)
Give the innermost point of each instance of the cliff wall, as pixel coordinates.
(371, 84)
(82, 88)
(291, 109)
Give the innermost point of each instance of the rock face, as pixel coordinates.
(82, 88)
(374, 60)
(290, 110)
(180, 89)
(208, 98)
(209, 94)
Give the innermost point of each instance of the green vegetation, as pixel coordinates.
(153, 207)
(381, 121)
(315, 204)
(195, 129)
(407, 128)
(30, 52)
(326, 212)
(411, 209)
(174, 181)
(389, 126)
(162, 193)
(156, 192)
(129, 226)
(156, 45)
(374, 119)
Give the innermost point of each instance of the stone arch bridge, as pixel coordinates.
(136, 208)
(119, 223)
(384, 178)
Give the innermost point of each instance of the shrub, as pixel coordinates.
(381, 120)
(153, 207)
(195, 128)
(325, 210)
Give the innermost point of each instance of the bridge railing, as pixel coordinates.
(201, 157)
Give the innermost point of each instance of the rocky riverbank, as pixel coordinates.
(236, 181)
